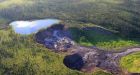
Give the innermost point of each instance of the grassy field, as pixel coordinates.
(22, 55)
(131, 62)
(104, 40)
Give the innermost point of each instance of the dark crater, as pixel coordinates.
(74, 61)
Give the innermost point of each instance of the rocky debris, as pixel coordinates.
(59, 44)
(55, 38)
(128, 51)
(94, 57)
(42, 34)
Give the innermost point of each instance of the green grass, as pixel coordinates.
(101, 40)
(131, 62)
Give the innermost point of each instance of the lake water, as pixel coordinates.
(29, 27)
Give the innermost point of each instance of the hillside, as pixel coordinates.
(111, 25)
(120, 15)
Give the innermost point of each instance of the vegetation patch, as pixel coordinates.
(104, 40)
(131, 62)
(9, 3)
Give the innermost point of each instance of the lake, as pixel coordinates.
(29, 27)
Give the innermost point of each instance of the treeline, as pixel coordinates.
(122, 16)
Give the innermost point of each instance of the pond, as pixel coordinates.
(29, 27)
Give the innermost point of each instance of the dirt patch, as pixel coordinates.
(56, 38)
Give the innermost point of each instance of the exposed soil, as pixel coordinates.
(58, 38)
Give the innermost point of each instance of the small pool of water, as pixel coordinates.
(29, 27)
